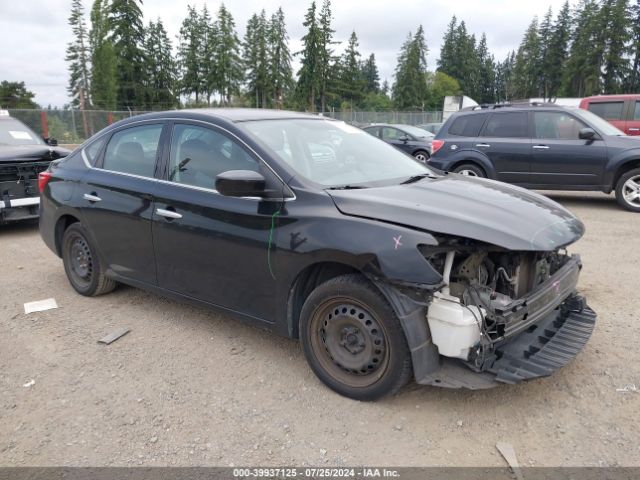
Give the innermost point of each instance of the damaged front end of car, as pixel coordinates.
(498, 316)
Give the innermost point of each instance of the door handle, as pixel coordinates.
(169, 214)
(486, 145)
(541, 147)
(92, 197)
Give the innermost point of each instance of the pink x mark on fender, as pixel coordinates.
(397, 240)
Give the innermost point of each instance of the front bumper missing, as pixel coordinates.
(540, 350)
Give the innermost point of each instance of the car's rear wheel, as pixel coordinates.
(628, 190)
(82, 265)
(421, 156)
(470, 170)
(353, 340)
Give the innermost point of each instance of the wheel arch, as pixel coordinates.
(471, 162)
(623, 168)
(61, 226)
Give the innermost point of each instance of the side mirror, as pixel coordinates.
(404, 138)
(52, 142)
(587, 134)
(240, 183)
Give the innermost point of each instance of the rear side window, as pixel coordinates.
(468, 125)
(133, 150)
(636, 112)
(509, 125)
(607, 110)
(93, 150)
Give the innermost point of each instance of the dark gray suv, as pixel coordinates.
(541, 146)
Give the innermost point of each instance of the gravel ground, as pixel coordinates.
(190, 387)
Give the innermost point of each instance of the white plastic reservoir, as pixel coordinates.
(454, 328)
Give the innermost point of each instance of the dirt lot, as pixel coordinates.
(190, 387)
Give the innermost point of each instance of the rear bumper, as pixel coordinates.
(19, 208)
(544, 347)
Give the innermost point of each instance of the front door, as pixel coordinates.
(397, 138)
(117, 200)
(211, 247)
(559, 157)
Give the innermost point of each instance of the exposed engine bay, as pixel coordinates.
(490, 294)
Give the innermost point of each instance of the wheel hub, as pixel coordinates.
(631, 190)
(81, 258)
(352, 339)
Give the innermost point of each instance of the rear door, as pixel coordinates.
(505, 139)
(208, 246)
(632, 126)
(559, 157)
(117, 199)
(613, 111)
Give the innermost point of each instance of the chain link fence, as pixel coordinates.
(75, 126)
(367, 118)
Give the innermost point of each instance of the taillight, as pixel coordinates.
(43, 179)
(436, 145)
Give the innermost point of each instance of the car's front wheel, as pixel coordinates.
(470, 170)
(628, 190)
(353, 340)
(82, 265)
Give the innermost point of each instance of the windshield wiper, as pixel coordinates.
(415, 178)
(346, 187)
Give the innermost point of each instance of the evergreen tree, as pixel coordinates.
(256, 61)
(486, 86)
(325, 51)
(582, 74)
(16, 95)
(206, 30)
(351, 83)
(410, 88)
(280, 73)
(192, 44)
(370, 75)
(78, 57)
(160, 68)
(447, 63)
(309, 75)
(103, 87)
(633, 81)
(228, 66)
(127, 35)
(504, 78)
(526, 71)
(617, 36)
(557, 52)
(545, 33)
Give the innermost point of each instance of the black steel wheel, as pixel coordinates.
(82, 265)
(353, 339)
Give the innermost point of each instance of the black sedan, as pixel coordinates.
(412, 140)
(384, 269)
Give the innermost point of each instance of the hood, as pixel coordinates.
(31, 153)
(624, 141)
(480, 209)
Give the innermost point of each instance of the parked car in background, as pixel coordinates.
(23, 155)
(623, 111)
(383, 268)
(431, 127)
(412, 140)
(541, 146)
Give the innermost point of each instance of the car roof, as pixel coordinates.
(234, 114)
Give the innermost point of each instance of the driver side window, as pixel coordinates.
(199, 154)
(556, 125)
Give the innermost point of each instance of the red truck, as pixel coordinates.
(623, 111)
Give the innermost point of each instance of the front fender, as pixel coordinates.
(620, 163)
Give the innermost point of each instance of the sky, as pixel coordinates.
(34, 33)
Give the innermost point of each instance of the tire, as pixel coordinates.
(628, 190)
(353, 339)
(82, 264)
(470, 170)
(422, 156)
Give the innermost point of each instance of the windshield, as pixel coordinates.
(334, 154)
(13, 133)
(416, 132)
(600, 123)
